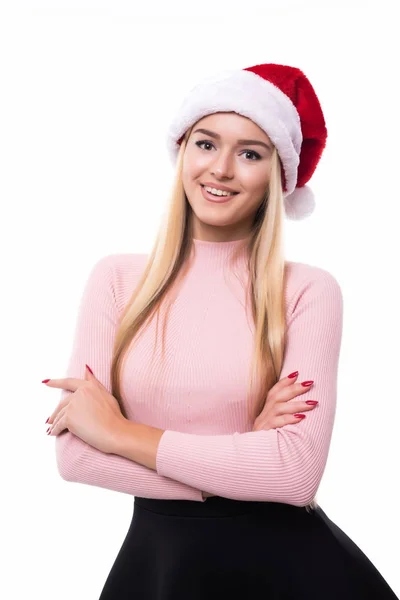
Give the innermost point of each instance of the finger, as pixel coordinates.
(277, 422)
(57, 417)
(286, 381)
(63, 403)
(298, 389)
(289, 392)
(59, 423)
(89, 376)
(68, 383)
(283, 408)
(282, 384)
(53, 417)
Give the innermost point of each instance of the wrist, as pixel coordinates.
(137, 442)
(121, 428)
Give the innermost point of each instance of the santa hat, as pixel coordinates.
(279, 99)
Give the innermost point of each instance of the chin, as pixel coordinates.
(210, 222)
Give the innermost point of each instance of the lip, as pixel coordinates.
(218, 186)
(218, 200)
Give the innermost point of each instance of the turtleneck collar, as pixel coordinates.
(217, 254)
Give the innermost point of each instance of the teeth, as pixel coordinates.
(216, 192)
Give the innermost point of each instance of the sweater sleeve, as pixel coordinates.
(285, 464)
(93, 341)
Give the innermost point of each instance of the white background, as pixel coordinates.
(87, 93)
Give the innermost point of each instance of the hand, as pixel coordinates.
(90, 412)
(277, 411)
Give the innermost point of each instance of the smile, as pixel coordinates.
(220, 199)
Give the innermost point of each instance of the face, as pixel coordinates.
(221, 158)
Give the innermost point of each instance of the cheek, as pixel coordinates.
(188, 173)
(194, 163)
(253, 180)
(248, 205)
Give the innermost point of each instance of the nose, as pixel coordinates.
(222, 168)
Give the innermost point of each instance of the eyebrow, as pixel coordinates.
(248, 142)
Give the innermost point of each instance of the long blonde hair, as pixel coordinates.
(167, 264)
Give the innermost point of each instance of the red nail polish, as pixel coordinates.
(294, 374)
(312, 402)
(299, 416)
(45, 380)
(306, 383)
(89, 369)
(47, 420)
(48, 429)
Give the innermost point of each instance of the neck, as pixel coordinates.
(215, 255)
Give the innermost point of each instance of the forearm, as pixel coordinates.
(79, 462)
(138, 442)
(279, 465)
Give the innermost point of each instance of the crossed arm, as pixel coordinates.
(283, 465)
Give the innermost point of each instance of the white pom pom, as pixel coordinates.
(300, 203)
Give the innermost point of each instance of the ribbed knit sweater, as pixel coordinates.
(198, 393)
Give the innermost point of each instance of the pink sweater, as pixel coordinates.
(199, 395)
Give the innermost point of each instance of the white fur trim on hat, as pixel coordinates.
(250, 95)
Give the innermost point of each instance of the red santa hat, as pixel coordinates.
(281, 101)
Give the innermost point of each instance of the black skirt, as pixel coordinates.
(229, 549)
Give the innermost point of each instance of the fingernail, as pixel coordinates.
(45, 380)
(294, 374)
(48, 429)
(312, 402)
(300, 416)
(47, 420)
(89, 369)
(305, 383)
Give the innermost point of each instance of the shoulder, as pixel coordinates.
(124, 266)
(120, 273)
(302, 272)
(311, 283)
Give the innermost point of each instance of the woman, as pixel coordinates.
(224, 467)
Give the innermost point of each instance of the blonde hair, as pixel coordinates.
(168, 263)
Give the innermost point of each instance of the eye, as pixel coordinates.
(201, 142)
(254, 153)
